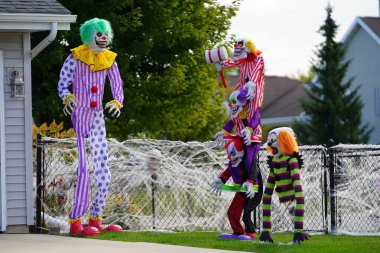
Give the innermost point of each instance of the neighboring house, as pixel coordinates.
(363, 49)
(18, 19)
(281, 100)
(281, 104)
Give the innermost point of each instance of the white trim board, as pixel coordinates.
(358, 22)
(37, 17)
(32, 22)
(280, 120)
(3, 206)
(28, 130)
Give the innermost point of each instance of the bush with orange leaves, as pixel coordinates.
(53, 130)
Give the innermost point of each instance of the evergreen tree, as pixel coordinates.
(170, 91)
(333, 107)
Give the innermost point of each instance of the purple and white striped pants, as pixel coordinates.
(87, 121)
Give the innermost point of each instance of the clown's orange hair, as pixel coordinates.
(288, 143)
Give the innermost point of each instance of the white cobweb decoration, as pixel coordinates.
(164, 185)
(154, 184)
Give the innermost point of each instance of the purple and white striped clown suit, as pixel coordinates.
(88, 120)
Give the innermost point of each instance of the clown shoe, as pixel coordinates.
(229, 236)
(246, 237)
(76, 229)
(97, 223)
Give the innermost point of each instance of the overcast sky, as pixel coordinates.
(286, 31)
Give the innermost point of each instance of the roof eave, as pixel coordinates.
(281, 120)
(33, 22)
(358, 22)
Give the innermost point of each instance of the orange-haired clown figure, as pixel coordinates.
(284, 177)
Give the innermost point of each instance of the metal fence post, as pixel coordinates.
(325, 190)
(153, 165)
(332, 186)
(38, 184)
(154, 178)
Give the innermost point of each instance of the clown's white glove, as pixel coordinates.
(250, 193)
(215, 186)
(247, 136)
(219, 138)
(251, 86)
(114, 106)
(219, 65)
(70, 104)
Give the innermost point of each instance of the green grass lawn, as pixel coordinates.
(317, 243)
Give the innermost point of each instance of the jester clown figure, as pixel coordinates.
(242, 202)
(239, 118)
(284, 176)
(86, 69)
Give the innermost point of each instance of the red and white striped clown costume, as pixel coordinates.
(251, 69)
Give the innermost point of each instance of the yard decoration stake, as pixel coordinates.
(86, 69)
(284, 176)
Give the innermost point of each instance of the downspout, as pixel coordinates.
(44, 43)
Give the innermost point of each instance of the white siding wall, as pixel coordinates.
(15, 138)
(364, 52)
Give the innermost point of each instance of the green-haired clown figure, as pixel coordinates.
(86, 70)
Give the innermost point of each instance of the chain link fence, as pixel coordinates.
(164, 185)
(356, 191)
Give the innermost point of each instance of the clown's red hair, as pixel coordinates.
(288, 143)
(238, 140)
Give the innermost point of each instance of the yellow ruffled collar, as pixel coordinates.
(96, 60)
(243, 113)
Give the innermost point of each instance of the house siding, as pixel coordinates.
(364, 53)
(17, 186)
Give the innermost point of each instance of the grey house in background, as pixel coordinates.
(18, 19)
(281, 101)
(363, 49)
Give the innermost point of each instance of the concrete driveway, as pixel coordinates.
(35, 243)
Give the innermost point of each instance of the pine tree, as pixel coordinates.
(333, 107)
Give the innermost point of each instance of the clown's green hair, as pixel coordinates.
(88, 28)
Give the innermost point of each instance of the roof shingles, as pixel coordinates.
(32, 6)
(373, 23)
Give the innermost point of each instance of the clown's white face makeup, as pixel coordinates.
(235, 105)
(99, 42)
(234, 155)
(272, 142)
(240, 50)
